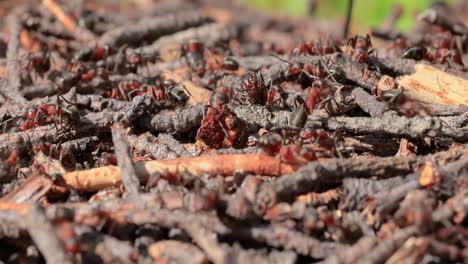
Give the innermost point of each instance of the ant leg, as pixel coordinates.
(124, 95)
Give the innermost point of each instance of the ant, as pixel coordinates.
(434, 55)
(175, 93)
(318, 136)
(93, 54)
(276, 96)
(313, 98)
(48, 113)
(302, 73)
(39, 61)
(13, 158)
(316, 48)
(194, 55)
(124, 90)
(272, 144)
(227, 63)
(359, 48)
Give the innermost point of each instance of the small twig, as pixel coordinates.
(68, 22)
(349, 13)
(174, 144)
(206, 240)
(43, 234)
(12, 88)
(129, 177)
(368, 103)
(150, 28)
(225, 165)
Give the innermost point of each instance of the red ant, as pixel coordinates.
(315, 48)
(296, 155)
(175, 93)
(275, 96)
(40, 116)
(39, 61)
(93, 54)
(47, 113)
(194, 55)
(434, 55)
(297, 71)
(13, 158)
(360, 48)
(217, 62)
(124, 90)
(442, 56)
(305, 48)
(313, 99)
(85, 74)
(272, 144)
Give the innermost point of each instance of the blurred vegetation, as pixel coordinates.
(365, 12)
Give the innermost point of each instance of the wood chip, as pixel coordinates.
(431, 85)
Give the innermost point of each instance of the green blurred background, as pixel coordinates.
(365, 12)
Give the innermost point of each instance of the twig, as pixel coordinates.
(349, 13)
(69, 23)
(178, 121)
(386, 248)
(43, 234)
(128, 174)
(31, 190)
(225, 165)
(148, 144)
(12, 88)
(207, 241)
(416, 127)
(152, 28)
(353, 253)
(11, 224)
(335, 170)
(175, 145)
(368, 103)
(278, 236)
(210, 34)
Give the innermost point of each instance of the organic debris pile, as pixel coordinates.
(208, 132)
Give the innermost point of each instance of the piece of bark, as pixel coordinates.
(31, 190)
(431, 85)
